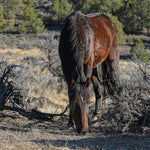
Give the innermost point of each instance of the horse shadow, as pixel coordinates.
(97, 143)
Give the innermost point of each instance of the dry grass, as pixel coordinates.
(57, 100)
(56, 95)
(126, 67)
(16, 54)
(20, 145)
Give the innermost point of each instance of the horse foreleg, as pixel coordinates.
(70, 121)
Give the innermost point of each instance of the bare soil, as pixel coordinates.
(22, 130)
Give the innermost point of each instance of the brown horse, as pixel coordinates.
(87, 41)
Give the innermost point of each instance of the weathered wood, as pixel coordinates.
(41, 115)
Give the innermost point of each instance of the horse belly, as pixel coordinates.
(99, 56)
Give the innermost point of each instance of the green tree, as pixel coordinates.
(85, 6)
(2, 20)
(11, 7)
(129, 16)
(138, 51)
(31, 22)
(147, 20)
(62, 8)
(102, 6)
(121, 34)
(135, 15)
(141, 12)
(29, 3)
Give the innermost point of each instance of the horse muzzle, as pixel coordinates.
(81, 118)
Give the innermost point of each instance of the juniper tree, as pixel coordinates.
(31, 22)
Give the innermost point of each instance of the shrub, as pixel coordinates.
(31, 22)
(21, 28)
(2, 20)
(130, 39)
(138, 51)
(121, 34)
(62, 8)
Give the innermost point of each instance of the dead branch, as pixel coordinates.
(133, 103)
(47, 115)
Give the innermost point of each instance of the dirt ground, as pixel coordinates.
(21, 130)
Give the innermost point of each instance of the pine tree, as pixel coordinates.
(28, 3)
(31, 22)
(11, 7)
(145, 15)
(101, 6)
(138, 51)
(10, 10)
(135, 15)
(85, 6)
(2, 20)
(121, 34)
(62, 8)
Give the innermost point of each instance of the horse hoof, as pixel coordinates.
(96, 118)
(70, 125)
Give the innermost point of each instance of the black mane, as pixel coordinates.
(72, 57)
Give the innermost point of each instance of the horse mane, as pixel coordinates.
(69, 49)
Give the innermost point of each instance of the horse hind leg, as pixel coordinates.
(97, 90)
(110, 69)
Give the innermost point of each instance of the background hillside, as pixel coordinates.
(33, 15)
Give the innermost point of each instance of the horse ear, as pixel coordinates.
(73, 83)
(88, 83)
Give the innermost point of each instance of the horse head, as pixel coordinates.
(79, 95)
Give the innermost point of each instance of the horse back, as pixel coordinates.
(105, 34)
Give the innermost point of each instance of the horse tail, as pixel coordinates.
(111, 82)
(110, 70)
